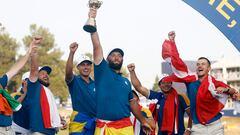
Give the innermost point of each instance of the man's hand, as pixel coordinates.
(229, 91)
(37, 40)
(73, 47)
(92, 13)
(33, 46)
(24, 86)
(147, 128)
(187, 132)
(131, 67)
(171, 36)
(64, 123)
(236, 96)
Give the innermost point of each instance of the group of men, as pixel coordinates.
(103, 106)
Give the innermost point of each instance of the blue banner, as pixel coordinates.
(224, 14)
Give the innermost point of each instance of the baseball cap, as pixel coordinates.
(164, 78)
(83, 58)
(25, 75)
(45, 68)
(117, 50)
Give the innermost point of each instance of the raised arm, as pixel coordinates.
(19, 64)
(69, 66)
(97, 48)
(135, 81)
(34, 59)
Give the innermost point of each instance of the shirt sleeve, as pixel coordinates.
(100, 69)
(4, 81)
(155, 95)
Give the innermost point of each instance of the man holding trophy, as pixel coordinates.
(113, 115)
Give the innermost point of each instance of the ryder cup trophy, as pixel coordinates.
(90, 25)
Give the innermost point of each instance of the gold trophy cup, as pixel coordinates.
(90, 25)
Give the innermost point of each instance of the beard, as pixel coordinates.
(115, 66)
(46, 84)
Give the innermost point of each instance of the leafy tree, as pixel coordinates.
(51, 56)
(155, 85)
(8, 55)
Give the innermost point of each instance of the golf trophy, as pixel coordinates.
(90, 25)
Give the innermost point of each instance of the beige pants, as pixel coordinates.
(214, 128)
(6, 131)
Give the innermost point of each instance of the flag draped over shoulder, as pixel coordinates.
(8, 103)
(208, 102)
(170, 113)
(50, 115)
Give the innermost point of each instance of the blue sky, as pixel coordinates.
(139, 27)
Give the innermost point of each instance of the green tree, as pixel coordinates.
(8, 55)
(51, 56)
(155, 85)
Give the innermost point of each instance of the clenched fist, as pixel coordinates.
(131, 67)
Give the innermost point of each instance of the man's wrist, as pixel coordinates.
(188, 129)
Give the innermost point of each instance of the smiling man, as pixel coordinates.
(113, 92)
(83, 95)
(207, 95)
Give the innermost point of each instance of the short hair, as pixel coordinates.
(204, 58)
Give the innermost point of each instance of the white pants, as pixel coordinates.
(6, 131)
(214, 128)
(37, 133)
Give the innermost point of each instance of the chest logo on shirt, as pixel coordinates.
(126, 83)
(94, 90)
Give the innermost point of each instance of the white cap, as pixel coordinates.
(25, 75)
(83, 58)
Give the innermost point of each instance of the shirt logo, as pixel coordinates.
(126, 82)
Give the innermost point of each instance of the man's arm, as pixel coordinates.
(97, 48)
(19, 65)
(135, 81)
(34, 62)
(138, 114)
(69, 65)
(189, 126)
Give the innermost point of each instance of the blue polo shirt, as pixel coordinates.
(4, 120)
(192, 89)
(21, 117)
(83, 96)
(35, 113)
(113, 93)
(181, 110)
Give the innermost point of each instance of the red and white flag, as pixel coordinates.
(208, 102)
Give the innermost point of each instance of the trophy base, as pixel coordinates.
(89, 28)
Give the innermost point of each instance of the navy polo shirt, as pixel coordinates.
(113, 93)
(4, 120)
(35, 113)
(181, 110)
(192, 89)
(83, 96)
(21, 117)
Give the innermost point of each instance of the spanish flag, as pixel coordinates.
(119, 127)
